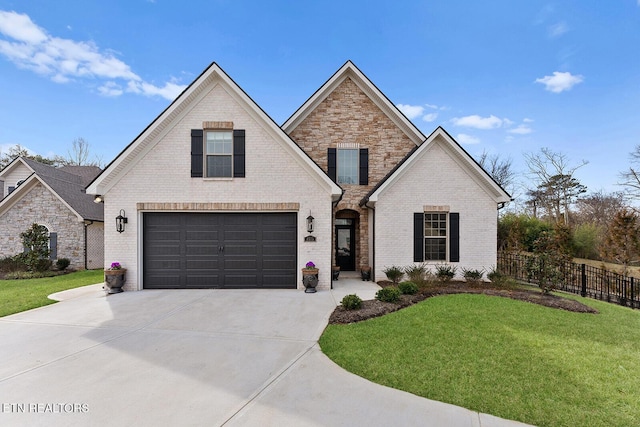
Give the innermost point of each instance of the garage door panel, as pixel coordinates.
(210, 250)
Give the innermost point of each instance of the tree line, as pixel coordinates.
(78, 155)
(554, 213)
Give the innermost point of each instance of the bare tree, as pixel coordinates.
(599, 207)
(622, 244)
(556, 188)
(501, 170)
(631, 178)
(78, 155)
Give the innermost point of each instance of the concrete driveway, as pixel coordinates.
(193, 357)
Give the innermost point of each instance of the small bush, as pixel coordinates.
(496, 277)
(393, 273)
(445, 272)
(12, 263)
(62, 264)
(21, 275)
(416, 273)
(408, 288)
(472, 275)
(388, 294)
(351, 302)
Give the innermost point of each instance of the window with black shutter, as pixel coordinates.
(218, 153)
(436, 236)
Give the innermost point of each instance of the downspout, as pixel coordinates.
(333, 206)
(86, 255)
(373, 241)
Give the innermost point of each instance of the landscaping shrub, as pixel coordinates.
(472, 275)
(351, 302)
(62, 264)
(388, 294)
(445, 272)
(393, 273)
(408, 288)
(497, 278)
(12, 263)
(20, 275)
(416, 273)
(36, 241)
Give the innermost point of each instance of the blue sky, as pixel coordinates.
(504, 76)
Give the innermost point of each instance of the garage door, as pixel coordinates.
(219, 250)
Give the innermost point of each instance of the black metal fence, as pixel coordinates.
(582, 279)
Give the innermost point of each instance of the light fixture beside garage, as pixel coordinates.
(310, 238)
(310, 223)
(121, 220)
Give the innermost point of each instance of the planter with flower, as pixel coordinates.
(114, 278)
(310, 277)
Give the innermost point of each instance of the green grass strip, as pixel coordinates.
(508, 358)
(21, 295)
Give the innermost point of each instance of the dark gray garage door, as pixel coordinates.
(219, 250)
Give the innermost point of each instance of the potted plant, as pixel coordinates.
(335, 272)
(310, 277)
(114, 278)
(365, 272)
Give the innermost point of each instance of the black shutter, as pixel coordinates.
(454, 237)
(364, 166)
(11, 190)
(196, 153)
(331, 163)
(418, 237)
(53, 246)
(238, 154)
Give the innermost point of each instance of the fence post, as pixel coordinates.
(633, 296)
(583, 291)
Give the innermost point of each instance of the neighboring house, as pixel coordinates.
(55, 198)
(218, 195)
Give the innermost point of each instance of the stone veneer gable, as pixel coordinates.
(348, 115)
(41, 207)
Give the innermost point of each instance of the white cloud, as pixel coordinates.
(521, 130)
(560, 82)
(478, 122)
(411, 111)
(63, 60)
(430, 117)
(463, 138)
(558, 29)
(528, 120)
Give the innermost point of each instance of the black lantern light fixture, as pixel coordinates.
(310, 223)
(121, 220)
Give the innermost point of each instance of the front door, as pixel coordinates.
(346, 245)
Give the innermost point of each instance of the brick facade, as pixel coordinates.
(348, 115)
(41, 207)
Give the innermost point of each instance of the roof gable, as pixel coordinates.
(442, 137)
(67, 187)
(349, 70)
(179, 108)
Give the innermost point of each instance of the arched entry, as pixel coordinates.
(346, 239)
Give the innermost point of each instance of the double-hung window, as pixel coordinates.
(219, 154)
(435, 236)
(348, 164)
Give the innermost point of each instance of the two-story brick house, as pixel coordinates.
(238, 190)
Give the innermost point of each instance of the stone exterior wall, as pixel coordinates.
(41, 207)
(348, 115)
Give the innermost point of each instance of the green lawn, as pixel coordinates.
(504, 357)
(21, 295)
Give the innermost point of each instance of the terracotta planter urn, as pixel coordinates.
(365, 273)
(114, 280)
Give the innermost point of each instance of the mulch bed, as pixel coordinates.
(375, 308)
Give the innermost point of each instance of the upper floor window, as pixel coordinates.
(348, 166)
(219, 154)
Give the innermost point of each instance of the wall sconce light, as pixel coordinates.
(310, 224)
(121, 220)
(98, 199)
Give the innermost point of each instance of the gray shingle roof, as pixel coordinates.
(69, 183)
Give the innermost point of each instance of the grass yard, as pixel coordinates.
(21, 295)
(503, 357)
